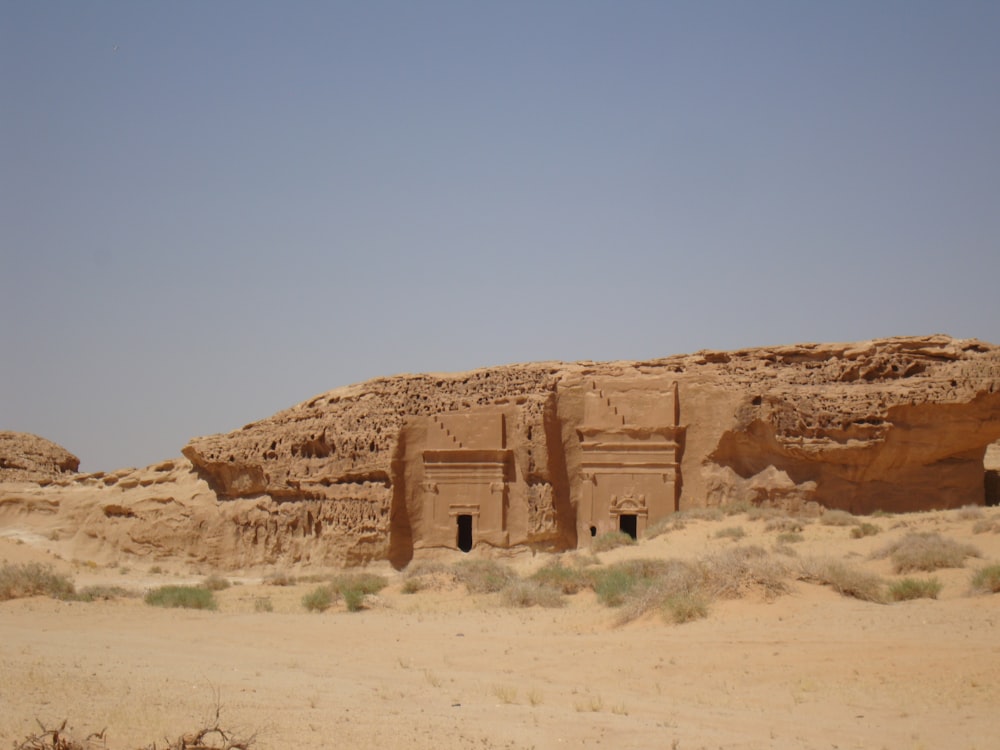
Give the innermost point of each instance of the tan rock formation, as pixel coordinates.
(29, 458)
(548, 455)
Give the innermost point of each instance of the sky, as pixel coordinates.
(210, 211)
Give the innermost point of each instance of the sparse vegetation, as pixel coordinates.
(530, 594)
(263, 604)
(969, 513)
(737, 571)
(926, 551)
(280, 578)
(565, 579)
(183, 597)
(216, 583)
(484, 576)
(911, 588)
(103, 593)
(783, 524)
(790, 537)
(320, 599)
(685, 607)
(844, 579)
(730, 532)
(986, 580)
(33, 579)
(611, 540)
(865, 529)
(838, 518)
(984, 525)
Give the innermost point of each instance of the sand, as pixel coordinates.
(446, 669)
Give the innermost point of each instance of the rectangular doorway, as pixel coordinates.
(627, 524)
(464, 532)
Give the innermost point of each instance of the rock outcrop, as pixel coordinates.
(550, 454)
(28, 458)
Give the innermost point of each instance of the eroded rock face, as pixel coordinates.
(28, 458)
(549, 455)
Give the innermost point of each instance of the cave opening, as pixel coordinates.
(464, 532)
(627, 524)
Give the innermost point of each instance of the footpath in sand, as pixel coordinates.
(442, 668)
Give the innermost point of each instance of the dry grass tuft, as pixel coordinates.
(568, 580)
(926, 551)
(969, 513)
(738, 571)
(911, 588)
(838, 518)
(986, 580)
(611, 540)
(844, 579)
(484, 576)
(865, 529)
(531, 594)
(33, 579)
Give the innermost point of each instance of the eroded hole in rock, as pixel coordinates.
(627, 524)
(593, 531)
(464, 532)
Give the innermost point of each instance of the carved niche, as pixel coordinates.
(631, 446)
(467, 467)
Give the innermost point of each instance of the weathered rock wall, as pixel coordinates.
(550, 454)
(29, 458)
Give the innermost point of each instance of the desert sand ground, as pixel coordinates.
(446, 669)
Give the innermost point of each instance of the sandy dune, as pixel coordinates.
(445, 669)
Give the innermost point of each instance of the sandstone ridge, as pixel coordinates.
(548, 455)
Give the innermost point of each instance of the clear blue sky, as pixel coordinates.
(210, 211)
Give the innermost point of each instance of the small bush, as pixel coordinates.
(845, 580)
(783, 524)
(730, 532)
(926, 551)
(185, 597)
(366, 583)
(911, 588)
(734, 572)
(280, 578)
(557, 576)
(656, 584)
(662, 526)
(699, 514)
(412, 585)
(263, 604)
(354, 598)
(320, 599)
(615, 582)
(864, 529)
(838, 518)
(790, 537)
(681, 608)
(530, 594)
(611, 540)
(984, 525)
(969, 512)
(484, 576)
(216, 583)
(103, 593)
(986, 580)
(33, 579)
(735, 508)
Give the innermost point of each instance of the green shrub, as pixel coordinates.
(615, 582)
(986, 580)
(926, 551)
(354, 598)
(484, 576)
(186, 597)
(33, 579)
(684, 607)
(864, 529)
(530, 594)
(611, 540)
(320, 599)
(911, 588)
(216, 583)
(844, 579)
(730, 532)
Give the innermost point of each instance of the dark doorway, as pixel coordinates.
(992, 482)
(626, 523)
(465, 533)
(593, 531)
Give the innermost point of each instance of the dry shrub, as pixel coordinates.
(986, 580)
(736, 507)
(844, 579)
(557, 576)
(865, 529)
(33, 579)
(530, 594)
(969, 513)
(484, 576)
(911, 588)
(984, 525)
(611, 540)
(648, 585)
(790, 537)
(181, 597)
(104, 593)
(735, 572)
(700, 514)
(784, 524)
(662, 526)
(280, 578)
(926, 550)
(730, 532)
(429, 576)
(681, 608)
(838, 518)
(216, 583)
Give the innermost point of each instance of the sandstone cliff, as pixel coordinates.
(550, 454)
(29, 458)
